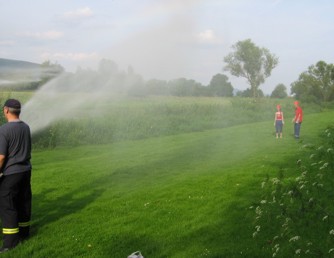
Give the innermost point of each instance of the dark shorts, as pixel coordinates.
(279, 126)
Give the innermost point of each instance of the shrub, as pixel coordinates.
(293, 219)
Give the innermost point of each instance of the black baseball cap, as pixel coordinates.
(12, 103)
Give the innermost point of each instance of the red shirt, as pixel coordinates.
(279, 116)
(298, 115)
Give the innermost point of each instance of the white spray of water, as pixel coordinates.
(64, 98)
(11, 75)
(159, 50)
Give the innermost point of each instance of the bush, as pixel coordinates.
(293, 219)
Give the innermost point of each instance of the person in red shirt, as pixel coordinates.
(279, 121)
(298, 119)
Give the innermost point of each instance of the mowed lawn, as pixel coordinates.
(187, 195)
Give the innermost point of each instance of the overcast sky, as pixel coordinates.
(168, 39)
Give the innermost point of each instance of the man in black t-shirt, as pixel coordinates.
(15, 172)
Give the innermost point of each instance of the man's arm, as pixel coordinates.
(2, 161)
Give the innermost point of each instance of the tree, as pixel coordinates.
(247, 93)
(51, 70)
(250, 62)
(107, 67)
(134, 83)
(279, 92)
(316, 83)
(184, 87)
(157, 87)
(220, 86)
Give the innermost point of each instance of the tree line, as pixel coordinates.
(246, 60)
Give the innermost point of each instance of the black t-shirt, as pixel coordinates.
(15, 145)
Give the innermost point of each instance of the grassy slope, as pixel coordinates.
(179, 196)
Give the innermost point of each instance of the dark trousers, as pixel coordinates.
(297, 129)
(15, 207)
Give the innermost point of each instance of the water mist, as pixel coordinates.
(66, 97)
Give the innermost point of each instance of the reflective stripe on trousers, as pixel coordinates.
(24, 224)
(10, 231)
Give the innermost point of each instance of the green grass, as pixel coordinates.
(185, 195)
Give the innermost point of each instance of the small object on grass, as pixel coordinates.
(136, 255)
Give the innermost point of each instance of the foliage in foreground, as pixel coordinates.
(297, 211)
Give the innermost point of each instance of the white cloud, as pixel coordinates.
(48, 35)
(79, 13)
(208, 37)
